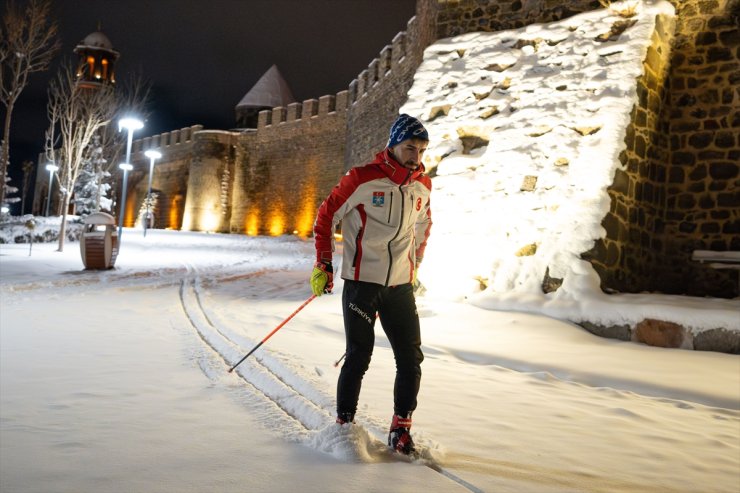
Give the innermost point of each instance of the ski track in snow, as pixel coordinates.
(308, 412)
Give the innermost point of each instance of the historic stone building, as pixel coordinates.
(677, 192)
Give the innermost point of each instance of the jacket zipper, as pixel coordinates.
(390, 208)
(358, 238)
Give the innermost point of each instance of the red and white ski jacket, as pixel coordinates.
(385, 215)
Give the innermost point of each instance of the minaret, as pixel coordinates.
(97, 59)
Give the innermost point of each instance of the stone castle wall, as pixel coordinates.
(702, 118)
(677, 191)
(208, 201)
(456, 17)
(380, 90)
(169, 180)
(286, 167)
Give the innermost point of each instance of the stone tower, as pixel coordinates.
(97, 59)
(271, 91)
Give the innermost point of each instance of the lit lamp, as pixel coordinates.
(51, 168)
(129, 124)
(153, 156)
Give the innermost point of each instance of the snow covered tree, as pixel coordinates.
(9, 191)
(27, 44)
(91, 189)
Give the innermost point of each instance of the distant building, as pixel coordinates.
(97, 60)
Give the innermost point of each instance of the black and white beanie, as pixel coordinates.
(406, 127)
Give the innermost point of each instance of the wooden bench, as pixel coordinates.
(717, 259)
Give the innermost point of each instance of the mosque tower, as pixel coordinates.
(96, 61)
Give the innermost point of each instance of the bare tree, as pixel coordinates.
(27, 45)
(27, 171)
(76, 114)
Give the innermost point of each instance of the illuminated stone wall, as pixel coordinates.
(456, 17)
(170, 178)
(679, 189)
(208, 201)
(287, 166)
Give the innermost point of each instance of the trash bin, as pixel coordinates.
(99, 242)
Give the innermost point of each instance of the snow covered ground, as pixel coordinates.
(117, 381)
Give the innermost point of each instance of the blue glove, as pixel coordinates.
(322, 278)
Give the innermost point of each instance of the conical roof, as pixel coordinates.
(270, 91)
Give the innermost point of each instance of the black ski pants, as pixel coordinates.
(396, 307)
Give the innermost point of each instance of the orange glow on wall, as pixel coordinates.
(252, 225)
(277, 224)
(174, 215)
(306, 216)
(129, 218)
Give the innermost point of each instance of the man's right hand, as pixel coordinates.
(322, 278)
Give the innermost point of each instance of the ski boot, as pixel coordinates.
(399, 438)
(344, 418)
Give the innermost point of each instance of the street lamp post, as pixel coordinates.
(51, 168)
(153, 156)
(130, 124)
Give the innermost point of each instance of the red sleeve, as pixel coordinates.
(325, 225)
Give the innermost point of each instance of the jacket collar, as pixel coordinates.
(395, 170)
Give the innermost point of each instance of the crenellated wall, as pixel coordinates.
(378, 93)
(677, 190)
(170, 178)
(283, 168)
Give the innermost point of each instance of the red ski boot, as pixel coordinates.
(399, 438)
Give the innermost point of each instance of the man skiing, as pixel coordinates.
(384, 210)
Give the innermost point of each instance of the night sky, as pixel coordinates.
(202, 56)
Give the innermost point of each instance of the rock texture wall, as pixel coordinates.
(286, 167)
(169, 180)
(463, 16)
(208, 201)
(679, 189)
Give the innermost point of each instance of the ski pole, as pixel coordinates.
(336, 363)
(273, 331)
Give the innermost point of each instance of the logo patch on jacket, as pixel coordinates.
(378, 199)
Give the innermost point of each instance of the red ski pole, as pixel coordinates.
(273, 331)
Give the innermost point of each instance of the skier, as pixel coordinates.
(385, 215)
